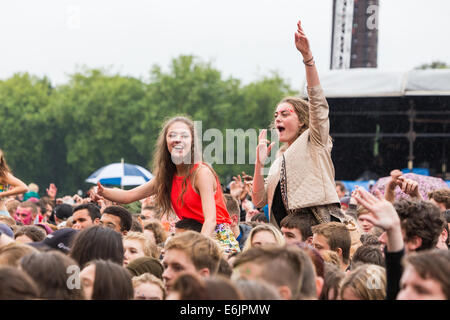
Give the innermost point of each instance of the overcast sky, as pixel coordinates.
(242, 38)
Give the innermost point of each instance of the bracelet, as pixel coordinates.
(307, 63)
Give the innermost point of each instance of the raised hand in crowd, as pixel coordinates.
(52, 190)
(408, 186)
(382, 214)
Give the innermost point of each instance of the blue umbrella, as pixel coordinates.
(121, 174)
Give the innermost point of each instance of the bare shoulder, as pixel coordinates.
(204, 175)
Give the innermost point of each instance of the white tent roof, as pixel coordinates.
(368, 82)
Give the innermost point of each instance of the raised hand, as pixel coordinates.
(302, 42)
(52, 191)
(262, 150)
(381, 212)
(410, 187)
(96, 193)
(237, 187)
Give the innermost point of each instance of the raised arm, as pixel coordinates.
(302, 44)
(18, 186)
(259, 196)
(319, 124)
(124, 196)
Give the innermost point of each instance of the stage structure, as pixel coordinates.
(382, 120)
(354, 40)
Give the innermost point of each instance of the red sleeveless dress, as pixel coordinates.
(191, 206)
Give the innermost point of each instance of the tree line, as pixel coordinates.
(64, 133)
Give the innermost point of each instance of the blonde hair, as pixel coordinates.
(149, 248)
(33, 187)
(367, 281)
(331, 256)
(149, 278)
(202, 250)
(264, 227)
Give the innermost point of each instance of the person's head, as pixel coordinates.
(106, 280)
(136, 225)
(190, 286)
(281, 267)
(85, 216)
(421, 223)
(27, 234)
(367, 255)
(175, 145)
(333, 236)
(441, 198)
(26, 212)
(340, 189)
(11, 206)
(257, 290)
(62, 212)
(154, 230)
(331, 256)
(364, 225)
(291, 118)
(143, 265)
(45, 207)
(117, 218)
(233, 209)
(190, 251)
(333, 277)
(369, 239)
(260, 217)
(11, 253)
(136, 245)
(426, 276)
(264, 234)
(148, 287)
(366, 282)
(8, 221)
(225, 270)
(16, 284)
(296, 228)
(188, 224)
(314, 272)
(97, 243)
(50, 272)
(150, 212)
(4, 169)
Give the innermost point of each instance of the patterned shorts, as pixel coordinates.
(225, 239)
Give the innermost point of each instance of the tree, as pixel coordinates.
(434, 65)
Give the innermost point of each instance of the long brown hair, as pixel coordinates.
(164, 169)
(4, 169)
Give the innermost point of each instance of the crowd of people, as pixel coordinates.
(184, 236)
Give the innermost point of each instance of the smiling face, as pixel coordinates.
(287, 122)
(179, 142)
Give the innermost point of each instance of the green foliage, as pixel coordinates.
(434, 65)
(64, 134)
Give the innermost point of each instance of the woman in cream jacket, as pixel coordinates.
(301, 179)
